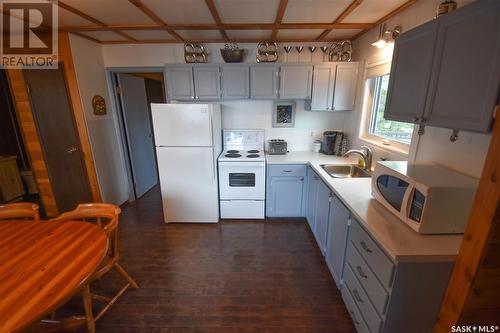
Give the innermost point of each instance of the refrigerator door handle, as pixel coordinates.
(210, 126)
(214, 168)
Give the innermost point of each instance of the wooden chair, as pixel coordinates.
(106, 217)
(25, 211)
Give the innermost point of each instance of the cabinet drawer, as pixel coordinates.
(287, 170)
(373, 255)
(362, 300)
(354, 311)
(371, 285)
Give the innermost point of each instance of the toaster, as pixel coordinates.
(277, 147)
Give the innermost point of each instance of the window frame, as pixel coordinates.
(373, 70)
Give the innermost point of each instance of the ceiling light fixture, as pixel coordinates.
(387, 36)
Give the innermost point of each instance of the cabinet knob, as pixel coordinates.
(365, 247)
(192, 97)
(356, 295)
(361, 273)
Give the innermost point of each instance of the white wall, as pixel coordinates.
(465, 155)
(309, 126)
(144, 55)
(109, 162)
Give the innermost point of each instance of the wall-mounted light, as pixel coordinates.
(387, 36)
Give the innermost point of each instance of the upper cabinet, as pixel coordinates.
(180, 83)
(189, 82)
(345, 86)
(295, 81)
(464, 89)
(207, 82)
(334, 86)
(323, 87)
(410, 73)
(444, 75)
(235, 81)
(264, 81)
(333, 89)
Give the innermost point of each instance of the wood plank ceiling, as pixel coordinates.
(212, 21)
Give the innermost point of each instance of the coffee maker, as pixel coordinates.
(332, 143)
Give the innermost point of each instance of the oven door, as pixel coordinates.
(242, 180)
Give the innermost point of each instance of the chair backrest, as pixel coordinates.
(23, 211)
(103, 214)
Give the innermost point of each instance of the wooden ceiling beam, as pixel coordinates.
(152, 15)
(341, 17)
(237, 26)
(279, 18)
(386, 17)
(218, 40)
(91, 19)
(216, 17)
(88, 37)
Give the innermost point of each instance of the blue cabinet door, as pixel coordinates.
(311, 196)
(337, 239)
(284, 197)
(322, 215)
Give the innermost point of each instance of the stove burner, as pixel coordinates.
(253, 156)
(233, 151)
(253, 151)
(233, 155)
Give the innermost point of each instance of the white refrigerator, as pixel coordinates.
(188, 140)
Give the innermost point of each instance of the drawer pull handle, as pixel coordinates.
(356, 322)
(361, 273)
(365, 247)
(287, 170)
(356, 296)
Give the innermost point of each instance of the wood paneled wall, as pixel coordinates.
(31, 138)
(473, 295)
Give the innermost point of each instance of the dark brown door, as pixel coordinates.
(58, 136)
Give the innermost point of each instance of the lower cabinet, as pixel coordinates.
(383, 295)
(337, 239)
(285, 190)
(311, 197)
(322, 215)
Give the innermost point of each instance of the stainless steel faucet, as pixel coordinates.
(366, 153)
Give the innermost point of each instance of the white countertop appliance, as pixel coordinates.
(429, 198)
(188, 139)
(242, 175)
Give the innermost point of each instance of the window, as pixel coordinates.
(387, 129)
(391, 134)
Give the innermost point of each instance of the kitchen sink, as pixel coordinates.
(345, 171)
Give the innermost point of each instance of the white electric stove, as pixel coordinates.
(242, 175)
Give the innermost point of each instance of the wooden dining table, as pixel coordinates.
(42, 265)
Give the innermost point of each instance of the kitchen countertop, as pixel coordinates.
(399, 241)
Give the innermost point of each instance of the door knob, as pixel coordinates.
(72, 150)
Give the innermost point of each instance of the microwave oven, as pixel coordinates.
(429, 198)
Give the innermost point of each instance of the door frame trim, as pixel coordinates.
(117, 116)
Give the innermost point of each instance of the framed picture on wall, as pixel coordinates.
(284, 114)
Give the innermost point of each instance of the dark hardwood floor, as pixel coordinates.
(233, 276)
